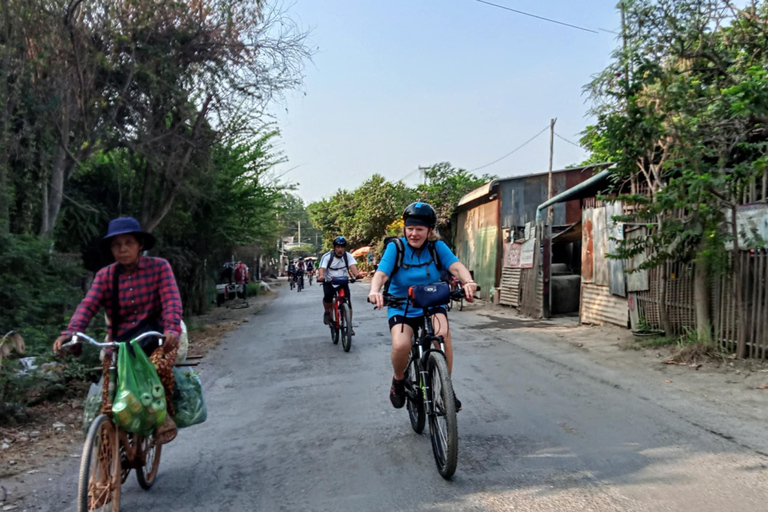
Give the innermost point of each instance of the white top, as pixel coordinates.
(337, 268)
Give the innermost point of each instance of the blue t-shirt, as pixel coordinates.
(414, 276)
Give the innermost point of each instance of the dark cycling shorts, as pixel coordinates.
(329, 291)
(414, 322)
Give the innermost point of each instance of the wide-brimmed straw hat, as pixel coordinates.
(128, 226)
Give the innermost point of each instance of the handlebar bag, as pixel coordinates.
(430, 295)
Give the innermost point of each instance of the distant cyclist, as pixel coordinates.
(336, 263)
(422, 257)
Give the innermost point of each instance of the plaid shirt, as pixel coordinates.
(149, 292)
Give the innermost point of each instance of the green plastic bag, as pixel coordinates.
(139, 405)
(188, 403)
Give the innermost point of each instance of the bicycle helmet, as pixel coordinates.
(420, 214)
(340, 240)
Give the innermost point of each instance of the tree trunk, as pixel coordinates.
(701, 297)
(5, 216)
(55, 195)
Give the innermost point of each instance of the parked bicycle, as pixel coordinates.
(455, 284)
(429, 389)
(109, 452)
(341, 326)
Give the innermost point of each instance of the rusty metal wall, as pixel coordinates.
(477, 244)
(599, 306)
(520, 198)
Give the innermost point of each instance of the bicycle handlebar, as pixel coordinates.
(76, 339)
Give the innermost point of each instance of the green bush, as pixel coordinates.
(252, 289)
(39, 290)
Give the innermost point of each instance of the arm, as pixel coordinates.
(172, 309)
(89, 306)
(374, 295)
(321, 275)
(354, 272)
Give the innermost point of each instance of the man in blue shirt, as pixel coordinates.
(418, 268)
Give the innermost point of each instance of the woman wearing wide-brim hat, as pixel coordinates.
(138, 293)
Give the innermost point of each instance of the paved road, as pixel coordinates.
(296, 424)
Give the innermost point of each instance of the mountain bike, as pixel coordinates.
(341, 326)
(309, 276)
(455, 284)
(292, 280)
(300, 282)
(109, 452)
(428, 386)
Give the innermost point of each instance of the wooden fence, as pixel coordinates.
(726, 319)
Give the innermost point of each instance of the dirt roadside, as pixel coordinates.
(719, 381)
(54, 430)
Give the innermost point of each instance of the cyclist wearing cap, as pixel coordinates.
(336, 263)
(419, 267)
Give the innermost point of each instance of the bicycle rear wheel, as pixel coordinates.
(415, 405)
(443, 428)
(150, 461)
(346, 328)
(100, 473)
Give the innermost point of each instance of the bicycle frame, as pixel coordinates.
(338, 299)
(421, 346)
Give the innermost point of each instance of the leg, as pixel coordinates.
(328, 293)
(401, 348)
(440, 324)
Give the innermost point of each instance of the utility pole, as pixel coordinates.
(550, 187)
(546, 235)
(299, 233)
(424, 172)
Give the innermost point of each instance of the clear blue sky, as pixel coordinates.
(402, 83)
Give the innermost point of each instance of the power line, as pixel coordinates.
(518, 148)
(568, 141)
(539, 17)
(409, 174)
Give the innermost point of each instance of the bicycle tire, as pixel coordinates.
(150, 451)
(445, 434)
(334, 330)
(415, 407)
(90, 495)
(346, 328)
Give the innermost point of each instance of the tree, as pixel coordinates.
(688, 121)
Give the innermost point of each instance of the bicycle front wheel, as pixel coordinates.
(443, 428)
(150, 461)
(334, 329)
(100, 473)
(415, 405)
(346, 328)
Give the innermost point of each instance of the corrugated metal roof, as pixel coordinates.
(481, 191)
(486, 189)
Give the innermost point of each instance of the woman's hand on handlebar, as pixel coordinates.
(377, 299)
(75, 350)
(469, 291)
(171, 341)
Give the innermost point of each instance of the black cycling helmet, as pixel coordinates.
(340, 240)
(420, 214)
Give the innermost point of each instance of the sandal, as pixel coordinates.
(166, 432)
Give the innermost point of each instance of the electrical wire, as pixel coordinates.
(568, 141)
(518, 148)
(539, 17)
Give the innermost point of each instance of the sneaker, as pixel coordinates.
(351, 331)
(397, 393)
(457, 402)
(327, 318)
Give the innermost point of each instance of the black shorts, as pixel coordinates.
(415, 322)
(329, 291)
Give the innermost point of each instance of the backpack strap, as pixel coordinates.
(432, 246)
(331, 255)
(399, 255)
(115, 301)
